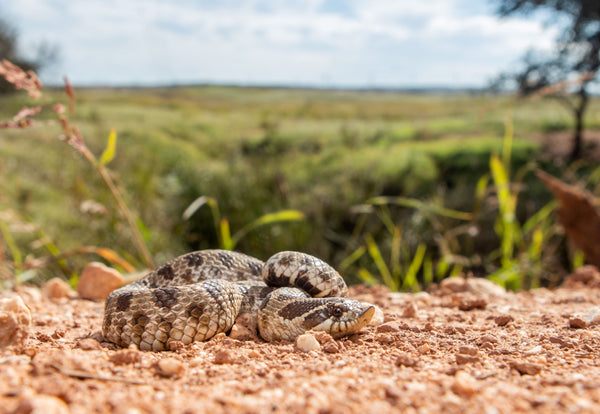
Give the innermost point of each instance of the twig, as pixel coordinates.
(86, 375)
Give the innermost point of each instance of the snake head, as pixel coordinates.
(340, 317)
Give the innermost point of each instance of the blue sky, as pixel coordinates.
(327, 43)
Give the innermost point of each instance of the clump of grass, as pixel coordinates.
(29, 82)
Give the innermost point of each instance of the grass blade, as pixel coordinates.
(110, 150)
(225, 235)
(270, 218)
(354, 256)
(419, 205)
(366, 277)
(12, 246)
(410, 278)
(380, 263)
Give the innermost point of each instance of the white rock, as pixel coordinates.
(592, 317)
(15, 321)
(42, 404)
(377, 316)
(307, 342)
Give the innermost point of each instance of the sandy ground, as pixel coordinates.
(464, 347)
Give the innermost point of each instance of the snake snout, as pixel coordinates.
(345, 317)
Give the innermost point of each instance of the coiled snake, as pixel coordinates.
(195, 296)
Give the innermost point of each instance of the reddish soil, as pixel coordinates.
(465, 347)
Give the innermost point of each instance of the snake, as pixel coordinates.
(198, 295)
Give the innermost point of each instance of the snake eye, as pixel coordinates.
(337, 311)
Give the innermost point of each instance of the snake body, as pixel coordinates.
(198, 295)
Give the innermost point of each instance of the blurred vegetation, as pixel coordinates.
(393, 187)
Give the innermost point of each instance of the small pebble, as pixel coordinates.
(467, 350)
(307, 342)
(577, 323)
(464, 384)
(224, 356)
(170, 367)
(384, 338)
(97, 281)
(424, 349)
(57, 288)
(503, 320)
(467, 304)
(126, 356)
(332, 347)
(388, 327)
(526, 368)
(15, 321)
(462, 359)
(378, 317)
(88, 344)
(406, 360)
(42, 404)
(409, 311)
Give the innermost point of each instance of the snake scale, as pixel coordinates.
(198, 295)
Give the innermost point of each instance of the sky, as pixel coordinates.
(318, 43)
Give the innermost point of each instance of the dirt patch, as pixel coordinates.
(465, 347)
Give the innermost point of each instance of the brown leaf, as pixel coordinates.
(579, 214)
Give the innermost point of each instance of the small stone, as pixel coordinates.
(503, 320)
(224, 356)
(42, 404)
(378, 317)
(467, 304)
(464, 384)
(15, 321)
(489, 338)
(577, 323)
(406, 360)
(592, 317)
(384, 338)
(322, 337)
(534, 351)
(388, 327)
(332, 347)
(97, 281)
(170, 367)
(307, 342)
(88, 344)
(409, 311)
(462, 359)
(57, 288)
(126, 356)
(467, 350)
(424, 349)
(526, 368)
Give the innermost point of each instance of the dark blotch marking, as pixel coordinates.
(194, 260)
(285, 260)
(225, 259)
(166, 272)
(140, 319)
(308, 287)
(123, 301)
(315, 317)
(255, 268)
(194, 310)
(165, 297)
(300, 308)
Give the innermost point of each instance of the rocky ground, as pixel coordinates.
(467, 346)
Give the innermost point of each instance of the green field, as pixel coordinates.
(256, 151)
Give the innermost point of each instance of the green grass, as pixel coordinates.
(257, 151)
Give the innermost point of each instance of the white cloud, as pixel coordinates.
(370, 41)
